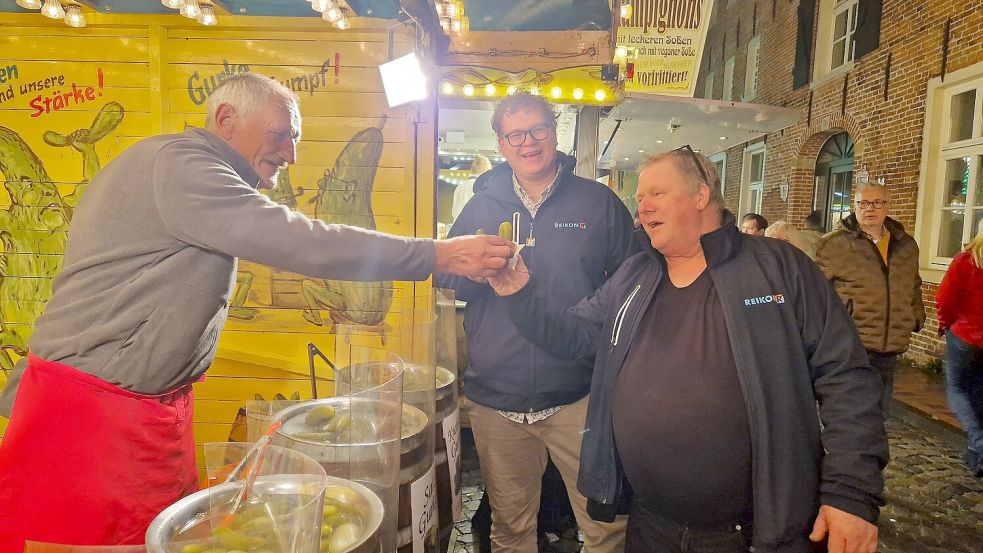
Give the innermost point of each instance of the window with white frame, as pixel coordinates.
(836, 39)
(719, 161)
(950, 202)
(752, 180)
(842, 41)
(728, 93)
(708, 86)
(751, 75)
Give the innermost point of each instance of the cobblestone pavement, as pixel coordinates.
(933, 504)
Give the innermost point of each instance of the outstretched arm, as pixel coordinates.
(568, 334)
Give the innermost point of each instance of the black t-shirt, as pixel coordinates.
(680, 422)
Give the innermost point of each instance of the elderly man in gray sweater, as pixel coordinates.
(100, 437)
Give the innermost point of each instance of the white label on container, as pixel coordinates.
(452, 437)
(423, 504)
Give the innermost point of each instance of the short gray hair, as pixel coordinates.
(874, 185)
(246, 92)
(687, 165)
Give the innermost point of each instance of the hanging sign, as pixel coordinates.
(663, 42)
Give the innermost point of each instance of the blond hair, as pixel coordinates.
(480, 165)
(687, 165)
(780, 229)
(975, 246)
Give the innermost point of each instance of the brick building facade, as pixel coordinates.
(910, 104)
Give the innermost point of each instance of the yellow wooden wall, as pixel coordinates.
(153, 68)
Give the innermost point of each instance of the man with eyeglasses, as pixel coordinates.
(873, 263)
(529, 405)
(713, 349)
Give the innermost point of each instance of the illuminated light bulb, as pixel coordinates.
(447, 88)
(342, 23)
(191, 9)
(620, 52)
(450, 9)
(320, 5)
(456, 26)
(468, 90)
(207, 15)
(578, 93)
(53, 9)
(600, 95)
(490, 90)
(556, 92)
(173, 4)
(511, 90)
(29, 4)
(74, 17)
(534, 91)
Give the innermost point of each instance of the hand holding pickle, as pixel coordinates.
(472, 256)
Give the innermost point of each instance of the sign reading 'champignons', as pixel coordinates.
(664, 40)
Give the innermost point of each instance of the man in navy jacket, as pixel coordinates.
(528, 403)
(713, 349)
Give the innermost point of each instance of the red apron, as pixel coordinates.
(84, 462)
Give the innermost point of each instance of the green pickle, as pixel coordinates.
(505, 230)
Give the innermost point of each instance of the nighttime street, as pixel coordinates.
(933, 504)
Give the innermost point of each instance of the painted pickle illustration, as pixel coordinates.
(33, 228)
(345, 196)
(283, 194)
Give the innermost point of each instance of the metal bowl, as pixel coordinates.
(370, 445)
(196, 508)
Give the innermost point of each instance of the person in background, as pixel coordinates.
(755, 224)
(100, 435)
(693, 408)
(809, 237)
(959, 305)
(529, 404)
(873, 263)
(786, 232)
(464, 192)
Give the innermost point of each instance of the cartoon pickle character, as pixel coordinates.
(283, 194)
(345, 196)
(84, 140)
(33, 230)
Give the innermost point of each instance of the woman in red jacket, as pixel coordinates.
(959, 303)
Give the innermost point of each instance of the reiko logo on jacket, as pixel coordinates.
(771, 298)
(574, 225)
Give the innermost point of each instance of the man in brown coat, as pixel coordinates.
(873, 264)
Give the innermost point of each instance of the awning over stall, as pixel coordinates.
(646, 124)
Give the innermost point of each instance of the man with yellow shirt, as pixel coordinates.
(873, 264)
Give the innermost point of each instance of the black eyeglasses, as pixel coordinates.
(518, 138)
(876, 204)
(692, 155)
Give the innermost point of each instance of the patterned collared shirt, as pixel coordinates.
(528, 202)
(533, 207)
